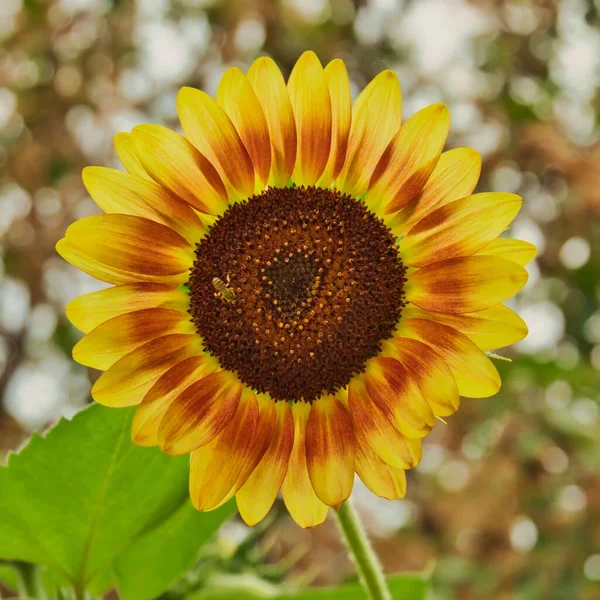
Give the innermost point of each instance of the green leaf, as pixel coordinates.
(157, 560)
(78, 497)
(8, 577)
(403, 586)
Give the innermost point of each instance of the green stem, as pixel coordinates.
(369, 569)
(79, 590)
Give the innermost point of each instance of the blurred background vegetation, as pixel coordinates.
(507, 497)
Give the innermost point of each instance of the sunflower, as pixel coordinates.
(301, 286)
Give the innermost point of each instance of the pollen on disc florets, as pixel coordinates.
(312, 285)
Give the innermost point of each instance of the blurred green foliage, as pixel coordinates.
(507, 498)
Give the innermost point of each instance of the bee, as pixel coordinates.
(223, 291)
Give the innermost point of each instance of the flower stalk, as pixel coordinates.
(369, 570)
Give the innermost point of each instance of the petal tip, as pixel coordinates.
(308, 56)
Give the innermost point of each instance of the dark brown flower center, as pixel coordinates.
(295, 289)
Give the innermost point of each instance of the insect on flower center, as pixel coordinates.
(295, 289)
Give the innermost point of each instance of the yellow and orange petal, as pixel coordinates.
(210, 130)
(127, 249)
(464, 285)
(260, 134)
(376, 117)
(116, 192)
(179, 168)
(215, 467)
(199, 413)
(237, 98)
(298, 492)
(409, 160)
(455, 176)
(259, 491)
(269, 86)
(91, 310)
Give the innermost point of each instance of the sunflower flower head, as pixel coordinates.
(301, 285)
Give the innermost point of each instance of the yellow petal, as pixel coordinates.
(409, 160)
(455, 176)
(215, 468)
(269, 86)
(376, 117)
(237, 98)
(330, 451)
(267, 416)
(392, 389)
(460, 228)
(88, 311)
(491, 328)
(128, 156)
(199, 413)
(118, 192)
(309, 95)
(341, 119)
(102, 347)
(474, 373)
(257, 448)
(180, 168)
(127, 249)
(258, 494)
(516, 250)
(207, 127)
(144, 429)
(298, 493)
(463, 285)
(378, 476)
(130, 378)
(429, 371)
(373, 428)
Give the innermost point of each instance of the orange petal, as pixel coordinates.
(309, 94)
(455, 176)
(144, 429)
(341, 119)
(474, 373)
(127, 249)
(429, 371)
(208, 127)
(376, 117)
(463, 285)
(215, 467)
(330, 451)
(199, 413)
(298, 493)
(107, 343)
(492, 328)
(269, 86)
(409, 160)
(118, 192)
(264, 434)
(128, 156)
(460, 228)
(237, 98)
(516, 250)
(180, 168)
(90, 310)
(130, 378)
(392, 389)
(373, 428)
(258, 494)
(378, 476)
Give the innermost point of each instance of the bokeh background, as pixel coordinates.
(506, 501)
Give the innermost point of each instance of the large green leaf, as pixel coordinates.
(80, 496)
(158, 559)
(403, 586)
